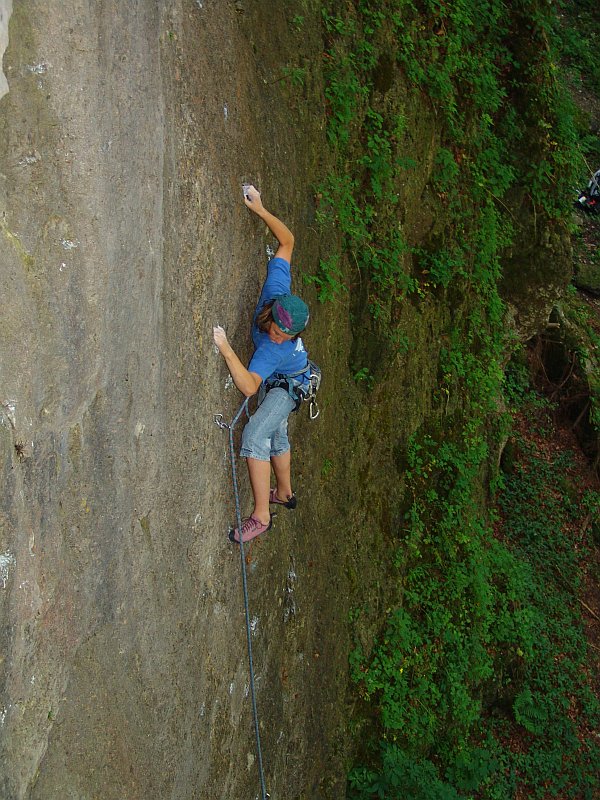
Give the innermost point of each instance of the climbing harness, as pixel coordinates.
(300, 391)
(238, 515)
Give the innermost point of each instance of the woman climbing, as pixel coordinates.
(278, 370)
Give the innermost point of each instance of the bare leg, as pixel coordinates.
(282, 467)
(260, 480)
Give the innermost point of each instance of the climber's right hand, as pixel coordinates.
(252, 198)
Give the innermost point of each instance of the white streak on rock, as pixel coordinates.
(38, 69)
(7, 560)
(28, 160)
(10, 411)
(5, 12)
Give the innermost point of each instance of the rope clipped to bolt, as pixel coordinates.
(238, 516)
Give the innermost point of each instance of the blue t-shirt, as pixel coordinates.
(285, 358)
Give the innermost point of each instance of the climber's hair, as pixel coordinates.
(264, 318)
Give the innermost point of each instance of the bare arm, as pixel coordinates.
(279, 230)
(246, 382)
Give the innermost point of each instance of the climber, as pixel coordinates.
(276, 372)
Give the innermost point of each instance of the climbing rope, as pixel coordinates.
(238, 516)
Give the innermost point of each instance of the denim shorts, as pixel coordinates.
(265, 434)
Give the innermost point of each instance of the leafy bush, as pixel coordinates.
(473, 654)
(485, 625)
(468, 658)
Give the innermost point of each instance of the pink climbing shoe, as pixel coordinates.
(289, 503)
(251, 527)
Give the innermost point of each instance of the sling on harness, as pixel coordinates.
(299, 391)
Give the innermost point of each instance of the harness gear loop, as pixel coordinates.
(218, 418)
(299, 391)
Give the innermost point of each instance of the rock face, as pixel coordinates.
(127, 131)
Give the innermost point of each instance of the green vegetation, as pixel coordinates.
(479, 681)
(296, 75)
(476, 686)
(461, 56)
(327, 467)
(577, 35)
(363, 376)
